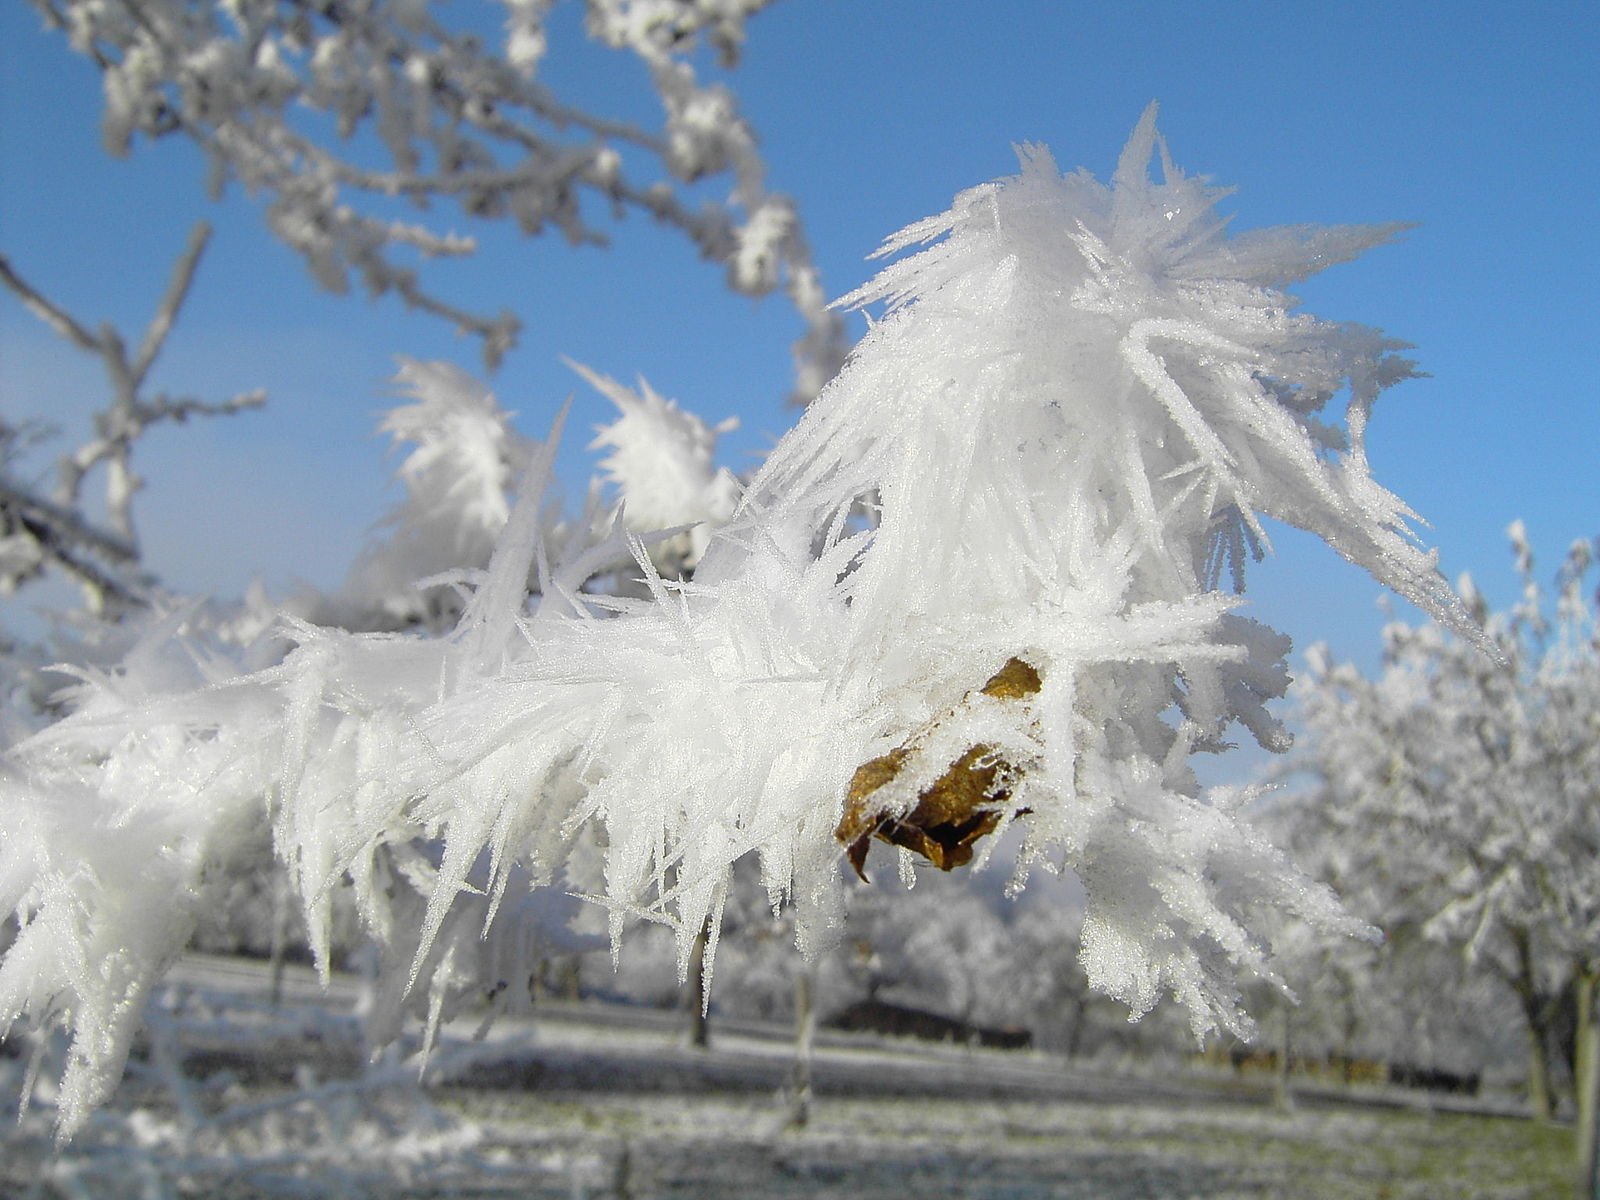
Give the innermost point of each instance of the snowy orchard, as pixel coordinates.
(1488, 770)
(1054, 448)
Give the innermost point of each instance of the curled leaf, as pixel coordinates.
(957, 809)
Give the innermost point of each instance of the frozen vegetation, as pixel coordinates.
(978, 609)
(987, 579)
(332, 112)
(608, 1102)
(1487, 769)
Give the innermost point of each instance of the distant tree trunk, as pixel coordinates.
(1282, 1096)
(571, 986)
(1534, 1011)
(1541, 1103)
(694, 996)
(805, 1031)
(621, 1172)
(1588, 1085)
(1076, 1002)
(279, 949)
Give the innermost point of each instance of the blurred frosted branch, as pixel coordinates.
(276, 92)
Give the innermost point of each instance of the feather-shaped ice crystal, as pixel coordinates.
(1076, 406)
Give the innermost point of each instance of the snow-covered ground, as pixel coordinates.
(232, 1097)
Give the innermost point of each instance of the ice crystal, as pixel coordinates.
(1076, 406)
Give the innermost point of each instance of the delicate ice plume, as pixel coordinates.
(661, 460)
(463, 456)
(1077, 404)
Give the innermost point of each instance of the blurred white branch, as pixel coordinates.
(274, 93)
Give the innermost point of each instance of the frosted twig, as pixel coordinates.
(156, 333)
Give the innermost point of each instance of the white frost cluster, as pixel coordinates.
(1074, 408)
(463, 457)
(662, 461)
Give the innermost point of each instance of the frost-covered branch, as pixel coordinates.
(39, 533)
(332, 110)
(171, 303)
(972, 590)
(47, 311)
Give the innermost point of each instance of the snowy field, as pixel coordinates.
(599, 1101)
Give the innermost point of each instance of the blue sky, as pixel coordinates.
(1478, 122)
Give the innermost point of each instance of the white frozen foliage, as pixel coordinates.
(662, 462)
(1073, 409)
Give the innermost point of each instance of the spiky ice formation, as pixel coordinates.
(1077, 405)
(1069, 421)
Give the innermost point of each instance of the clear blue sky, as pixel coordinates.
(1477, 121)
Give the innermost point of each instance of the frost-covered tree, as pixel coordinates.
(1461, 792)
(979, 585)
(939, 945)
(332, 111)
(1360, 1000)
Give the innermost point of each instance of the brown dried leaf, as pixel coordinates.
(1016, 680)
(953, 812)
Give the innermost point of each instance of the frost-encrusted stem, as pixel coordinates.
(46, 310)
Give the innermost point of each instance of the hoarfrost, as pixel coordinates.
(1074, 410)
(661, 460)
